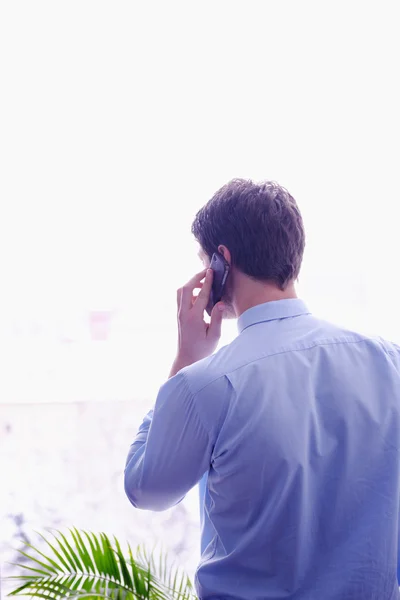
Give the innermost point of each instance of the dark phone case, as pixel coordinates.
(221, 269)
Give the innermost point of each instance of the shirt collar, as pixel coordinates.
(271, 311)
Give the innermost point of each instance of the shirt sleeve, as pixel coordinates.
(394, 353)
(171, 451)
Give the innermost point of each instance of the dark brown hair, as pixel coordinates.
(261, 226)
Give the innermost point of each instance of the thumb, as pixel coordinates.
(215, 326)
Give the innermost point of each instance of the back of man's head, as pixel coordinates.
(261, 226)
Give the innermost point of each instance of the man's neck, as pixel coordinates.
(252, 293)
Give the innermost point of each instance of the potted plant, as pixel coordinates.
(81, 564)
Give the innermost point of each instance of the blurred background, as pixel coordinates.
(118, 121)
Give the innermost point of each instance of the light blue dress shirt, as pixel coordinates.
(297, 425)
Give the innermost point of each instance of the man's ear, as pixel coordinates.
(225, 253)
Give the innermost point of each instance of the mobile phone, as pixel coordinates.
(221, 270)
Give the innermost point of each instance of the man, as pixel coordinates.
(296, 423)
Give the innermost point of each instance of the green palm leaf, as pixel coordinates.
(92, 566)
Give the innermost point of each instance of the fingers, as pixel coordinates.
(185, 294)
(204, 295)
(179, 294)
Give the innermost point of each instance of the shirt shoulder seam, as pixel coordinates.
(192, 395)
(286, 351)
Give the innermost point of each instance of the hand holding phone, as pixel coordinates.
(197, 338)
(220, 269)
